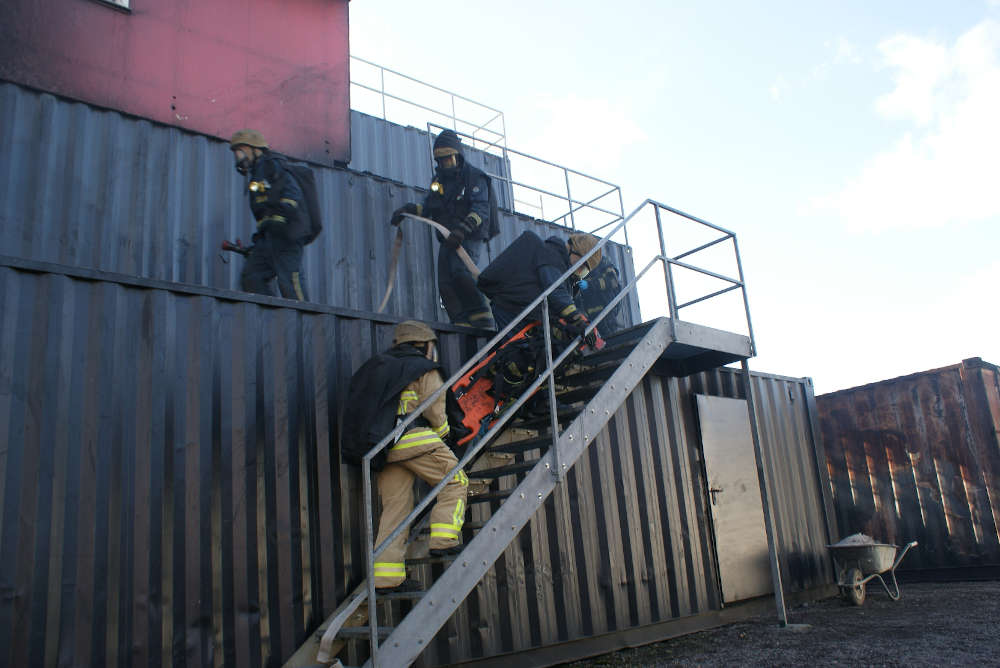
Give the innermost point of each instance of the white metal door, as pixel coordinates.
(734, 498)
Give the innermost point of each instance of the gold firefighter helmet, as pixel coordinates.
(581, 245)
(247, 137)
(412, 331)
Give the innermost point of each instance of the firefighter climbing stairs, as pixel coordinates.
(589, 392)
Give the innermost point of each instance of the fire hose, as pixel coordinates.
(398, 244)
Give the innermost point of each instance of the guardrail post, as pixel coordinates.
(668, 275)
(569, 200)
(553, 404)
(370, 557)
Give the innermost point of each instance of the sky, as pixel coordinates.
(853, 148)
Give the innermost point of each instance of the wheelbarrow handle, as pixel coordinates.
(902, 554)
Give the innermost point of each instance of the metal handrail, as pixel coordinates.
(500, 135)
(573, 205)
(372, 551)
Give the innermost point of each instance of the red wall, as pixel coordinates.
(212, 66)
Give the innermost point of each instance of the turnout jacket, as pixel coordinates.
(464, 191)
(524, 270)
(603, 285)
(277, 203)
(376, 397)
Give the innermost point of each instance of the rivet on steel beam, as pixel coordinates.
(571, 437)
(465, 564)
(592, 411)
(546, 465)
(420, 641)
(539, 496)
(512, 528)
(395, 644)
(522, 495)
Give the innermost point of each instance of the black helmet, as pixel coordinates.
(447, 143)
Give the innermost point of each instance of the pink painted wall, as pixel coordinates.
(212, 66)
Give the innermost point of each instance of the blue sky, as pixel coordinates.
(852, 146)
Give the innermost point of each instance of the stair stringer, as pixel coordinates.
(418, 628)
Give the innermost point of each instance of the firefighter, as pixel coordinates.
(602, 285)
(386, 388)
(527, 267)
(460, 199)
(278, 206)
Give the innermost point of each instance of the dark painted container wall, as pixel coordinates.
(93, 188)
(918, 458)
(171, 491)
(169, 484)
(626, 541)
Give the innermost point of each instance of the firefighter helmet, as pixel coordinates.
(248, 137)
(412, 331)
(581, 244)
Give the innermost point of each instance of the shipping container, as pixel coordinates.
(918, 458)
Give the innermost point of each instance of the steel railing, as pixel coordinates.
(372, 551)
(485, 127)
(482, 123)
(565, 200)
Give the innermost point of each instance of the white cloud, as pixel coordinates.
(846, 52)
(944, 168)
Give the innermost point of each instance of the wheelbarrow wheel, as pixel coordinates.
(856, 588)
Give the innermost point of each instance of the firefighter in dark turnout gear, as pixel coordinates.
(602, 285)
(278, 206)
(527, 267)
(459, 199)
(388, 387)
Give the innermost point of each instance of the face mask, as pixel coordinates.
(432, 352)
(243, 166)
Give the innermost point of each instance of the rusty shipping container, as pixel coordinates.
(918, 458)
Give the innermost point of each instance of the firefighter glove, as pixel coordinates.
(397, 215)
(577, 323)
(455, 238)
(469, 224)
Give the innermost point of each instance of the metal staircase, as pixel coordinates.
(520, 459)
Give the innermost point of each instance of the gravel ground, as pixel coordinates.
(953, 623)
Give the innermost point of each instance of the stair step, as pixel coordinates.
(543, 421)
(492, 496)
(400, 596)
(472, 526)
(592, 376)
(523, 446)
(518, 467)
(581, 394)
(430, 559)
(362, 632)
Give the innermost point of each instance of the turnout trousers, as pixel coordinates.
(271, 257)
(395, 488)
(463, 301)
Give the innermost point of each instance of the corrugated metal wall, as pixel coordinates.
(94, 188)
(626, 541)
(402, 153)
(171, 492)
(170, 485)
(918, 458)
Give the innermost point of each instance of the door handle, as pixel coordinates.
(713, 491)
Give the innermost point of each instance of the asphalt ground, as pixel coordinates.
(933, 624)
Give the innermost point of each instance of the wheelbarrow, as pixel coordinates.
(858, 564)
